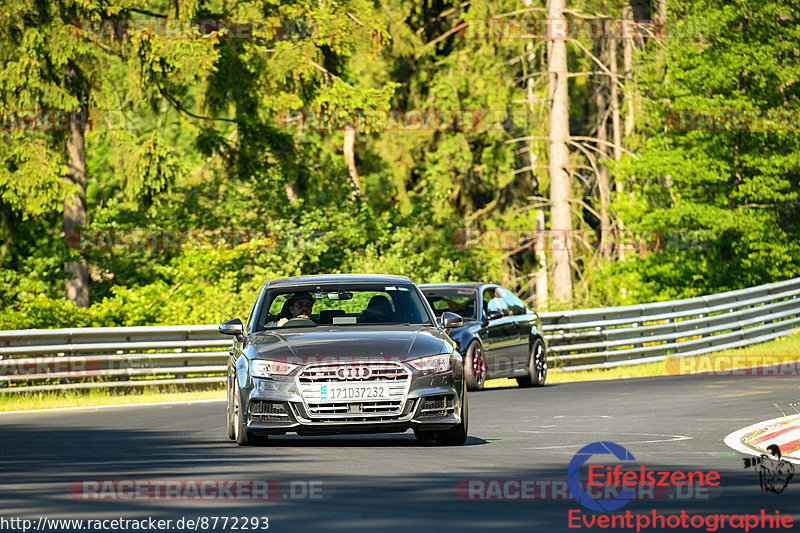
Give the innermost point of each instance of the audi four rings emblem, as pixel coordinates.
(353, 372)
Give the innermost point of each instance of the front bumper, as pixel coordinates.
(283, 404)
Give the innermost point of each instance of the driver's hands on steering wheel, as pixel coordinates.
(284, 320)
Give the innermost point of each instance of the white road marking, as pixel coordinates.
(95, 407)
(669, 438)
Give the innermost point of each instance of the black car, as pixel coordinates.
(500, 336)
(335, 354)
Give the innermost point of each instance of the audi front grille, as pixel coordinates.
(390, 374)
(384, 370)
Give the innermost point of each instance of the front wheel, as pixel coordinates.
(229, 411)
(475, 366)
(240, 433)
(537, 366)
(457, 435)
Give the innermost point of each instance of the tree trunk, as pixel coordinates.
(291, 191)
(540, 278)
(615, 121)
(616, 133)
(603, 176)
(540, 289)
(661, 18)
(560, 211)
(350, 157)
(77, 282)
(627, 62)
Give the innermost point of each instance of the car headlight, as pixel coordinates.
(433, 363)
(261, 368)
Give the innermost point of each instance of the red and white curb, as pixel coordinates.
(783, 431)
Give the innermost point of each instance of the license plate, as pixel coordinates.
(336, 392)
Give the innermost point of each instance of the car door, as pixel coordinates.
(501, 337)
(523, 322)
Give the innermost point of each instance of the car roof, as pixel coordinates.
(295, 281)
(465, 285)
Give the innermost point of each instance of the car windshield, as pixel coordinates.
(455, 300)
(342, 305)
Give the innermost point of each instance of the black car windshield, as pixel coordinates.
(342, 305)
(455, 300)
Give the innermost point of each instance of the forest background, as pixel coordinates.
(160, 160)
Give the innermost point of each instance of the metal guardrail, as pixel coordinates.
(126, 357)
(196, 356)
(614, 336)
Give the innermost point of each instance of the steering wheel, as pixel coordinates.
(299, 321)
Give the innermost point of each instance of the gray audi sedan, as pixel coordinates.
(343, 354)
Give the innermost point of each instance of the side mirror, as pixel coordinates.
(232, 327)
(494, 315)
(451, 320)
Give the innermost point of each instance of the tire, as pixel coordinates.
(229, 410)
(457, 435)
(240, 434)
(475, 366)
(537, 366)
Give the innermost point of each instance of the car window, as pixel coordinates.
(456, 300)
(493, 300)
(514, 304)
(361, 302)
(345, 305)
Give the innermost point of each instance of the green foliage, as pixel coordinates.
(188, 134)
(737, 189)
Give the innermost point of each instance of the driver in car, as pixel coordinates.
(299, 305)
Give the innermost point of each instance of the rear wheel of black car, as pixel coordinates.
(537, 366)
(457, 435)
(475, 366)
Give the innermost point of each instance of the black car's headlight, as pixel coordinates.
(433, 364)
(262, 368)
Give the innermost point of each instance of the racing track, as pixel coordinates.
(390, 482)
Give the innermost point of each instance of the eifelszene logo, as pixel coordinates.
(574, 476)
(625, 481)
(619, 483)
(773, 474)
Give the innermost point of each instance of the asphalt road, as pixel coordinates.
(391, 482)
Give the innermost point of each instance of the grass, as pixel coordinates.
(94, 397)
(779, 350)
(776, 351)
